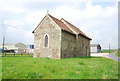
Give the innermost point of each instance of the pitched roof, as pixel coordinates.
(61, 24)
(75, 28)
(65, 27)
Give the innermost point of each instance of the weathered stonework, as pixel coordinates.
(74, 46)
(61, 43)
(47, 27)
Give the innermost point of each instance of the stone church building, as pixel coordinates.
(54, 38)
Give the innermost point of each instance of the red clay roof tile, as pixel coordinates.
(61, 24)
(75, 28)
(65, 27)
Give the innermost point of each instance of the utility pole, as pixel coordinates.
(3, 32)
(109, 47)
(3, 45)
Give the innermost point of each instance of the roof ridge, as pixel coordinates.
(61, 24)
(74, 28)
(69, 23)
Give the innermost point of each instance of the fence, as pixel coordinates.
(16, 54)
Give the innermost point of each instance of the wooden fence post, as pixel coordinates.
(14, 54)
(21, 54)
(5, 53)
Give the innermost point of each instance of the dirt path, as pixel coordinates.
(107, 55)
(112, 56)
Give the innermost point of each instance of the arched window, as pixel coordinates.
(46, 40)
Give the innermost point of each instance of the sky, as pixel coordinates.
(98, 19)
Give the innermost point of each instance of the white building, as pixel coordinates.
(19, 47)
(95, 48)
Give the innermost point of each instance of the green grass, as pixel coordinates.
(118, 53)
(0, 68)
(16, 55)
(70, 68)
(107, 51)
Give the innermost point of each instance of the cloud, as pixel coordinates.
(19, 1)
(29, 37)
(99, 23)
(34, 17)
(14, 35)
(96, 21)
(7, 7)
(14, 23)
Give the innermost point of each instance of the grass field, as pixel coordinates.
(15, 55)
(107, 51)
(70, 68)
(118, 53)
(0, 68)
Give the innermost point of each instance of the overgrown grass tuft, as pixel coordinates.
(70, 68)
(107, 51)
(80, 63)
(118, 53)
(16, 55)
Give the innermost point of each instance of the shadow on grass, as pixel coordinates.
(87, 57)
(83, 58)
(58, 59)
(17, 55)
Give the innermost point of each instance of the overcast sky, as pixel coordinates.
(96, 18)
